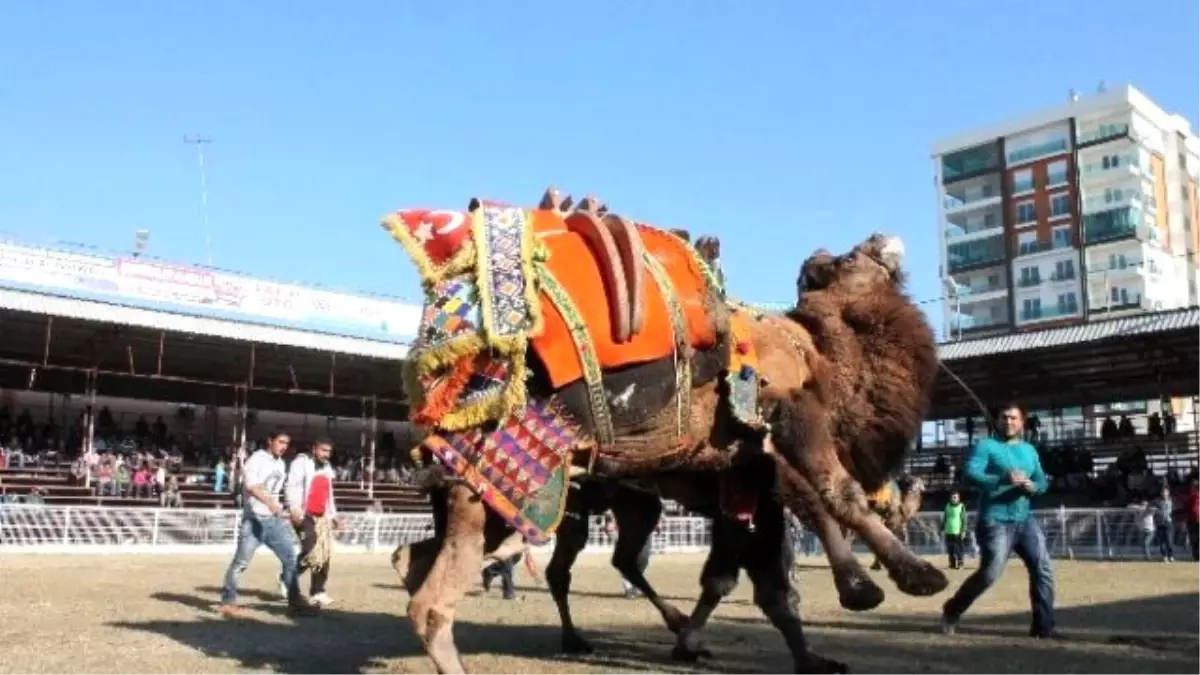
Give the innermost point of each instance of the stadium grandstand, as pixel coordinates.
(114, 362)
(1112, 406)
(131, 381)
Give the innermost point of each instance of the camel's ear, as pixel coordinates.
(891, 253)
(682, 234)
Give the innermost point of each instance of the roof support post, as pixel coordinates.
(46, 346)
(162, 339)
(253, 353)
(332, 368)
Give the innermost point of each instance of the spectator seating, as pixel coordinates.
(59, 487)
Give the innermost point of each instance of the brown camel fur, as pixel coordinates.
(850, 371)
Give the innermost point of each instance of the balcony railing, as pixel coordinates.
(1128, 303)
(1065, 276)
(1103, 133)
(1127, 163)
(1029, 282)
(956, 202)
(1032, 247)
(966, 322)
(968, 290)
(966, 163)
(954, 231)
(1135, 198)
(1040, 150)
(957, 263)
(1114, 225)
(1047, 313)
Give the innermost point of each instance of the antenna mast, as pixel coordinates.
(200, 142)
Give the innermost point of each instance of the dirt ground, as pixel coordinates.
(154, 614)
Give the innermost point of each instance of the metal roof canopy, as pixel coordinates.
(55, 354)
(1137, 357)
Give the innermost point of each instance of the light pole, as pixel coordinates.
(200, 142)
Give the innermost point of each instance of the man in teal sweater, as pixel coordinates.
(1007, 473)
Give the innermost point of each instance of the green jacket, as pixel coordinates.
(954, 518)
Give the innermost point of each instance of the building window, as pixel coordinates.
(1068, 303)
(1116, 261)
(1030, 276)
(1064, 270)
(1062, 237)
(993, 281)
(1031, 308)
(989, 221)
(986, 191)
(1026, 213)
(1056, 173)
(1060, 205)
(1022, 181)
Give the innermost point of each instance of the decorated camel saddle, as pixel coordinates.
(553, 299)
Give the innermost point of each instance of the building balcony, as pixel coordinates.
(1032, 152)
(1049, 313)
(956, 205)
(1035, 247)
(1102, 133)
(964, 323)
(1136, 198)
(976, 292)
(955, 232)
(968, 163)
(1100, 307)
(1116, 225)
(1029, 282)
(1129, 167)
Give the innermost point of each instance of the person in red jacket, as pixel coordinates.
(1193, 520)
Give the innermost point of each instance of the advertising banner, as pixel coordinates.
(154, 284)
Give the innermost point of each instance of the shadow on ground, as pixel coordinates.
(1145, 635)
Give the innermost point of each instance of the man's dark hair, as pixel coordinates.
(276, 433)
(1009, 405)
(322, 440)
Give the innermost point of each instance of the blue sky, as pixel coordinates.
(780, 126)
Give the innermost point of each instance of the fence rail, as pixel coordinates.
(1070, 533)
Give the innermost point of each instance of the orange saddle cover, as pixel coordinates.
(575, 266)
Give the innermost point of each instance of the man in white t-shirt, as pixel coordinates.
(264, 521)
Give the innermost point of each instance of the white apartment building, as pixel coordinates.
(1082, 211)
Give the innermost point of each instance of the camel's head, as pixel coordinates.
(869, 265)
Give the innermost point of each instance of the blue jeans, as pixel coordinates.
(996, 542)
(219, 482)
(256, 531)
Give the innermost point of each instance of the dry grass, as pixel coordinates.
(154, 614)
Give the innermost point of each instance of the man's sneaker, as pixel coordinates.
(229, 611)
(303, 609)
(1050, 635)
(283, 591)
(320, 600)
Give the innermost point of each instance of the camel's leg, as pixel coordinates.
(454, 571)
(857, 592)
(637, 514)
(717, 580)
(569, 540)
(420, 557)
(801, 438)
(763, 560)
(843, 497)
(512, 544)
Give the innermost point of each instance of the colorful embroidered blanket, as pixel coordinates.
(520, 468)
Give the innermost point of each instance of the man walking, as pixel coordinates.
(1007, 473)
(264, 522)
(1164, 526)
(954, 520)
(314, 515)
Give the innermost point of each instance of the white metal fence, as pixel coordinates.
(1075, 533)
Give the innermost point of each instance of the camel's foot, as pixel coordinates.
(876, 566)
(819, 664)
(572, 643)
(676, 620)
(681, 653)
(857, 592)
(689, 648)
(918, 577)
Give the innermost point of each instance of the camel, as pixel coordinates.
(846, 378)
(896, 503)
